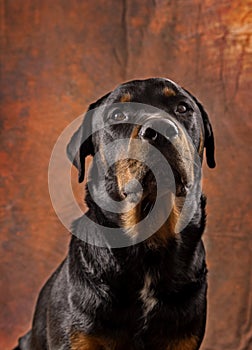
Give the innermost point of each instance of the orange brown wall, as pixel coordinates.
(57, 57)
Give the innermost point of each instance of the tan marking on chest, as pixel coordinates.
(147, 296)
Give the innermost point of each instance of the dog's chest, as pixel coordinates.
(147, 296)
(138, 302)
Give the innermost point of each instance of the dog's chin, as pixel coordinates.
(146, 199)
(155, 210)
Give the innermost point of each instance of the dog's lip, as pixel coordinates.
(137, 190)
(137, 196)
(132, 190)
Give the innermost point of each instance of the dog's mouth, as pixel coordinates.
(153, 174)
(142, 193)
(150, 164)
(149, 192)
(146, 189)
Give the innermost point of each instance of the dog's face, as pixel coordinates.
(127, 130)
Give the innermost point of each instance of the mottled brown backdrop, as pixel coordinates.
(59, 56)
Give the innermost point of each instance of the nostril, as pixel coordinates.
(166, 129)
(149, 134)
(132, 191)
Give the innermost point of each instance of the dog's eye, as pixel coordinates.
(182, 108)
(118, 116)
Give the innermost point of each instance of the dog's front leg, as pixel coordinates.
(80, 341)
(190, 343)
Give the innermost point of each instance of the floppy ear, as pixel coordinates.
(81, 145)
(209, 137)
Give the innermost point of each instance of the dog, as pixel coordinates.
(123, 285)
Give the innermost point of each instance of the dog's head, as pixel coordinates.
(133, 133)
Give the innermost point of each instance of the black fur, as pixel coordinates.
(96, 290)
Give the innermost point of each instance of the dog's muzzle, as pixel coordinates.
(159, 133)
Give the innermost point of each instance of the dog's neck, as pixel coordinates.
(190, 235)
(111, 266)
(184, 215)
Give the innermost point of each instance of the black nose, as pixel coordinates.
(152, 129)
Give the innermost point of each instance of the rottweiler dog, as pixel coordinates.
(135, 276)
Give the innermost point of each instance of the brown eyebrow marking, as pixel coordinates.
(126, 97)
(167, 91)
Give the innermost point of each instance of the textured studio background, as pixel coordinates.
(59, 56)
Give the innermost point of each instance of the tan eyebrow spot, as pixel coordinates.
(125, 97)
(167, 91)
